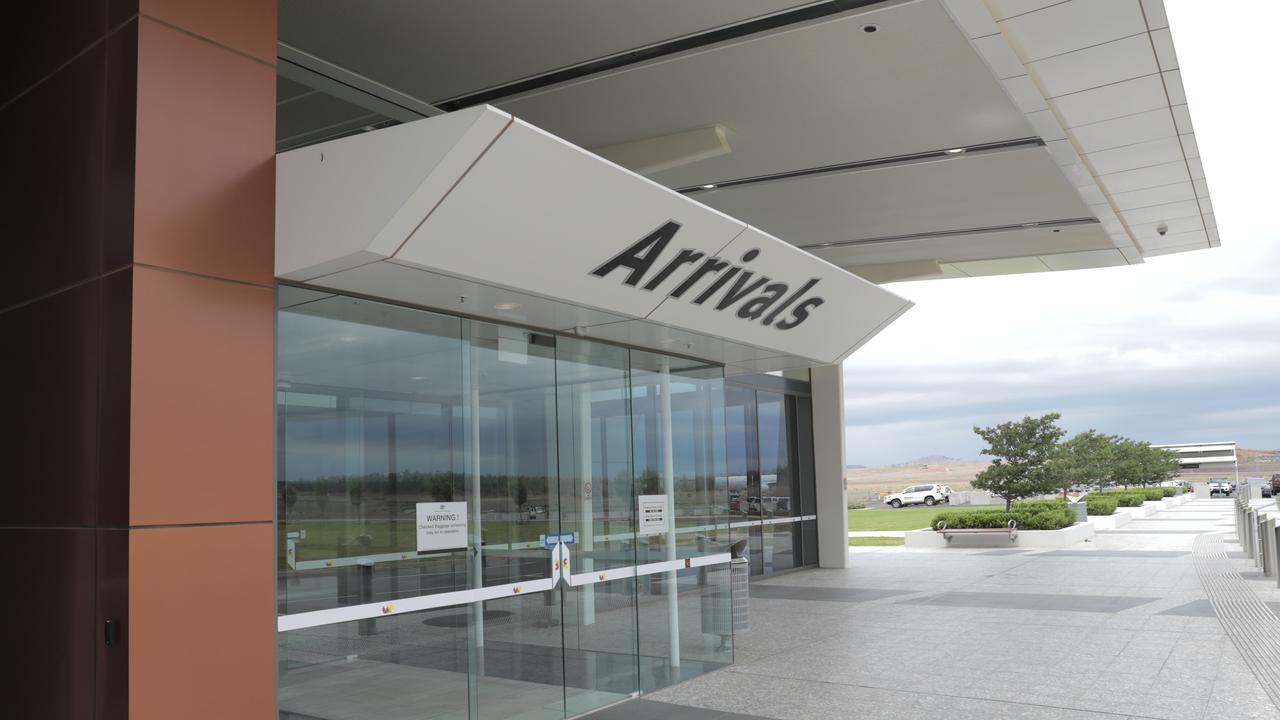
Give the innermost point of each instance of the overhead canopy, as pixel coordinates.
(479, 213)
(826, 124)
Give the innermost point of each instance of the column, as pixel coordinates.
(827, 387)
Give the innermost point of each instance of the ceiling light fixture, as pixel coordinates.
(507, 306)
(870, 28)
(418, 377)
(955, 151)
(709, 187)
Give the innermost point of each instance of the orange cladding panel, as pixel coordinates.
(205, 175)
(247, 26)
(202, 400)
(201, 623)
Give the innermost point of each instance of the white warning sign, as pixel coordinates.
(442, 526)
(653, 514)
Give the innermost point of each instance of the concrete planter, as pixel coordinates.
(1112, 521)
(1026, 538)
(1169, 503)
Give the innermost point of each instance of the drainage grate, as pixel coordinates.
(1251, 625)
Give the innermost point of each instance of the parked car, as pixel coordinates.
(1220, 486)
(1275, 483)
(916, 495)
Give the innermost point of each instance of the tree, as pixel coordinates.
(1023, 452)
(1084, 459)
(1155, 465)
(1126, 461)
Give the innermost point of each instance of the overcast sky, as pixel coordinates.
(1182, 348)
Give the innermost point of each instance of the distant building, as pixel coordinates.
(1207, 459)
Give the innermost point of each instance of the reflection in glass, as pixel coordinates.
(382, 408)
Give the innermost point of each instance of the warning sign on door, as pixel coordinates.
(652, 512)
(441, 526)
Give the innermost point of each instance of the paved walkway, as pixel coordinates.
(1125, 626)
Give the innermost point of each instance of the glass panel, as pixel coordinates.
(596, 501)
(678, 426)
(511, 468)
(368, 402)
(412, 660)
(382, 409)
(779, 496)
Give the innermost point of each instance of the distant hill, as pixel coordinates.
(1251, 455)
(931, 460)
(855, 467)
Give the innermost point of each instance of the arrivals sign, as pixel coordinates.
(441, 526)
(476, 211)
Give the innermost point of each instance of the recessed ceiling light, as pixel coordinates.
(955, 151)
(1031, 224)
(347, 338)
(826, 244)
(709, 187)
(870, 28)
(507, 306)
(418, 377)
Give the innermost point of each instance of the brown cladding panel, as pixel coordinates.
(51, 34)
(50, 420)
(205, 174)
(51, 140)
(115, 317)
(202, 400)
(48, 619)
(121, 146)
(112, 681)
(247, 26)
(202, 630)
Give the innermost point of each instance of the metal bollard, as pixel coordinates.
(1250, 534)
(1269, 547)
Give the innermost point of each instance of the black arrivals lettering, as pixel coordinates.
(758, 305)
(641, 255)
(710, 265)
(682, 258)
(719, 283)
(740, 290)
(790, 300)
(801, 313)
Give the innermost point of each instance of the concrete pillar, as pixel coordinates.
(827, 387)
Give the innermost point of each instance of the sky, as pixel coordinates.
(1182, 348)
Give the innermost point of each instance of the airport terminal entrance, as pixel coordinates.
(481, 521)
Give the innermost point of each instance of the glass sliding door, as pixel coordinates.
(459, 516)
(677, 411)
(596, 498)
(771, 490)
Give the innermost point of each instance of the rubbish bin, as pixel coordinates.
(725, 596)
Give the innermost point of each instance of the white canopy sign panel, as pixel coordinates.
(477, 204)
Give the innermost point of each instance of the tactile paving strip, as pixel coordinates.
(1251, 625)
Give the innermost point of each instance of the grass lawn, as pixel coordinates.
(875, 541)
(907, 518)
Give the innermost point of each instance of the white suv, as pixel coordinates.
(917, 495)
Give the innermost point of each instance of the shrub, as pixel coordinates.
(1169, 491)
(1040, 505)
(857, 506)
(1030, 515)
(1100, 505)
(1146, 493)
(1127, 499)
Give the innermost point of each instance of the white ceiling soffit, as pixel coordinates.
(1099, 81)
(435, 51)
(477, 213)
(809, 95)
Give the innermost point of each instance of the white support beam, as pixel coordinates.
(827, 387)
